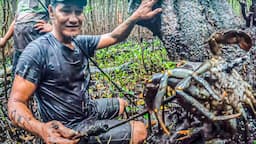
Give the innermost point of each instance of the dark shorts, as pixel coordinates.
(23, 34)
(101, 113)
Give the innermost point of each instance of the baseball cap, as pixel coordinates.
(76, 2)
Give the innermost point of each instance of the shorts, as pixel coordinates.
(100, 112)
(23, 34)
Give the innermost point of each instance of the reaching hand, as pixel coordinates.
(145, 11)
(43, 26)
(2, 42)
(54, 132)
(122, 105)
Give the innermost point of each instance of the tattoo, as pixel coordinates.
(55, 125)
(20, 120)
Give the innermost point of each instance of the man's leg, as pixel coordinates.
(139, 132)
(134, 132)
(106, 108)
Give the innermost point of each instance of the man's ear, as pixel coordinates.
(50, 10)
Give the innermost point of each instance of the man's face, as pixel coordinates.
(67, 19)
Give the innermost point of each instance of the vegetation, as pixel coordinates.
(142, 55)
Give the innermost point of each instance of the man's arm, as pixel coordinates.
(123, 30)
(8, 35)
(20, 114)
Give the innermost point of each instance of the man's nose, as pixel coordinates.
(73, 18)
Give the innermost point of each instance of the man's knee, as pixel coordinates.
(139, 132)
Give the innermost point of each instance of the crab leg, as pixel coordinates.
(190, 133)
(203, 68)
(161, 91)
(185, 83)
(174, 73)
(203, 110)
(158, 101)
(193, 90)
(207, 87)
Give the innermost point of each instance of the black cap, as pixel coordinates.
(76, 2)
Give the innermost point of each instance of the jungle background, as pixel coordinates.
(128, 64)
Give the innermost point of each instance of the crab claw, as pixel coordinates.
(229, 37)
(187, 134)
(184, 132)
(237, 37)
(245, 41)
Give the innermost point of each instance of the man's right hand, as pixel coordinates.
(54, 132)
(43, 27)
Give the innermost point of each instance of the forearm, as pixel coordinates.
(10, 31)
(123, 30)
(21, 116)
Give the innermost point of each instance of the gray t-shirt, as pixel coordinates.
(61, 75)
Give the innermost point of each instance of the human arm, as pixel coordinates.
(120, 33)
(8, 35)
(19, 113)
(43, 27)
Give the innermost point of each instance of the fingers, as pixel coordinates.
(54, 132)
(64, 131)
(122, 105)
(149, 2)
(154, 12)
(43, 27)
(39, 26)
(145, 11)
(67, 133)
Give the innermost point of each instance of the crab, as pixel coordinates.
(213, 91)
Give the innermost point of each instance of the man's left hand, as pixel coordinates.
(145, 11)
(122, 105)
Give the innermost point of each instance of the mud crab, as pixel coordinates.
(212, 91)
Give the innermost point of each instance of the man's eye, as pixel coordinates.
(78, 12)
(66, 11)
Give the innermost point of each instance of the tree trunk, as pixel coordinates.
(186, 25)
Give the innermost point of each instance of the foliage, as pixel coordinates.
(145, 58)
(236, 6)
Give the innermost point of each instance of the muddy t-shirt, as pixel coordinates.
(61, 75)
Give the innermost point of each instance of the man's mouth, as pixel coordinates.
(72, 26)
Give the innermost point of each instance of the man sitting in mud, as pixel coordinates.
(55, 69)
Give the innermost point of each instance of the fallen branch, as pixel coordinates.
(94, 69)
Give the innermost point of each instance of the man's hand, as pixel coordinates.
(43, 27)
(54, 132)
(145, 11)
(122, 105)
(2, 42)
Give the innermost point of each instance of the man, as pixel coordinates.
(54, 67)
(30, 22)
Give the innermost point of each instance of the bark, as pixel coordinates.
(185, 26)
